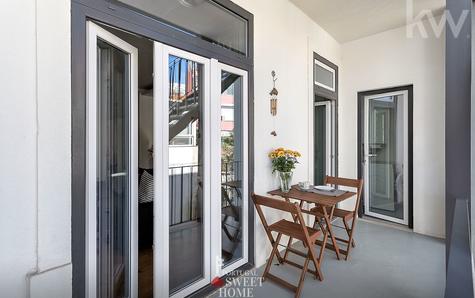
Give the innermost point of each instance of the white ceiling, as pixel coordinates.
(348, 20)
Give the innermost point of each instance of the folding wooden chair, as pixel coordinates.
(297, 230)
(345, 215)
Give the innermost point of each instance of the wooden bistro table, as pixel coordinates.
(326, 202)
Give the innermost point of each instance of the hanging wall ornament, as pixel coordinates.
(273, 96)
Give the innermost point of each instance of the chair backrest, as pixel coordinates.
(354, 183)
(275, 204)
(284, 206)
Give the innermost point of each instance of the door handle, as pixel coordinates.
(119, 174)
(372, 155)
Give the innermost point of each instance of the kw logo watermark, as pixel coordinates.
(238, 283)
(415, 22)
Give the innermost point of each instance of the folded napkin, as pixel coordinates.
(331, 193)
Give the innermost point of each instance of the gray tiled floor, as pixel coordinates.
(386, 263)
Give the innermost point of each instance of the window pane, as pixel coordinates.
(320, 144)
(324, 76)
(186, 179)
(203, 18)
(113, 171)
(386, 156)
(231, 167)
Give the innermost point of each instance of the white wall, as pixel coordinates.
(284, 39)
(391, 59)
(35, 195)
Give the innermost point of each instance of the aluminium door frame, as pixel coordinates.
(330, 164)
(319, 94)
(94, 32)
(360, 149)
(367, 210)
(216, 267)
(122, 17)
(161, 164)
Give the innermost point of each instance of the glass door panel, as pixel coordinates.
(182, 198)
(231, 167)
(385, 143)
(229, 130)
(186, 177)
(113, 171)
(112, 158)
(323, 139)
(320, 143)
(200, 141)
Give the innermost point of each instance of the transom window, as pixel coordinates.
(203, 18)
(324, 76)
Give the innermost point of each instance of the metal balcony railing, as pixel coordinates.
(185, 190)
(184, 186)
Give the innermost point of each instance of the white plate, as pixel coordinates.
(324, 187)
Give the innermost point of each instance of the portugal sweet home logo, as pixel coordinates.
(238, 284)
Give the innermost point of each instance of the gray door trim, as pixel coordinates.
(361, 96)
(322, 94)
(124, 18)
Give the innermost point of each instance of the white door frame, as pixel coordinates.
(216, 239)
(405, 219)
(161, 163)
(93, 33)
(330, 135)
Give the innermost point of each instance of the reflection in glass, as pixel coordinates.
(113, 171)
(185, 172)
(386, 155)
(231, 166)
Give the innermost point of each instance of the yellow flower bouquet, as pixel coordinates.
(284, 161)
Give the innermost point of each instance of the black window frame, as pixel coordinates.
(120, 16)
(321, 91)
(220, 3)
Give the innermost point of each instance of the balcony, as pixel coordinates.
(386, 262)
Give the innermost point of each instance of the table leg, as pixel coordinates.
(328, 218)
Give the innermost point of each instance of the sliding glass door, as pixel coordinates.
(111, 163)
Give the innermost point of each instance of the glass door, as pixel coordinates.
(386, 156)
(323, 141)
(229, 168)
(200, 153)
(182, 160)
(111, 234)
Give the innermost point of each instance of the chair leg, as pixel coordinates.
(289, 243)
(302, 277)
(348, 231)
(350, 240)
(271, 257)
(316, 262)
